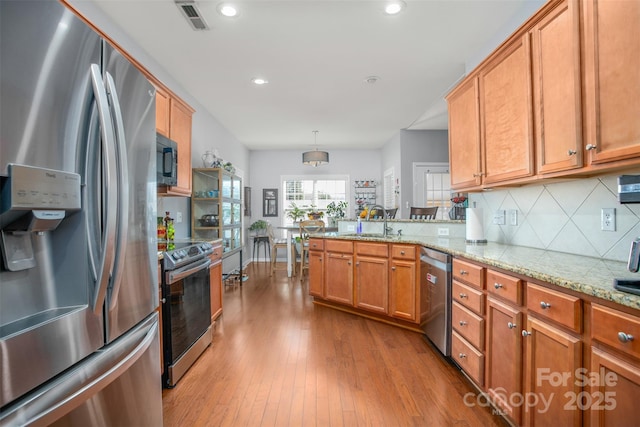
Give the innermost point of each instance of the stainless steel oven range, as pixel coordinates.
(186, 310)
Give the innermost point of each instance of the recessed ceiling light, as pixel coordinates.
(394, 7)
(228, 10)
(372, 79)
(259, 81)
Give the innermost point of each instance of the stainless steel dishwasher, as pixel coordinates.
(435, 290)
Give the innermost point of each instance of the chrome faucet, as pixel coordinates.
(386, 229)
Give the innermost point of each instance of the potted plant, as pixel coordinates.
(314, 213)
(259, 227)
(295, 213)
(336, 211)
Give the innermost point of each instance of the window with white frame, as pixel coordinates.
(317, 192)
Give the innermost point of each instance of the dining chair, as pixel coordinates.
(423, 213)
(307, 228)
(391, 213)
(278, 243)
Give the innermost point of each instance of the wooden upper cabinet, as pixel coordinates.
(163, 107)
(555, 41)
(612, 80)
(464, 136)
(173, 120)
(506, 114)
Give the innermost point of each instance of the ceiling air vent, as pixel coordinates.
(193, 15)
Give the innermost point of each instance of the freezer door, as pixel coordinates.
(117, 386)
(133, 292)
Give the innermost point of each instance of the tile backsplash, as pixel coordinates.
(563, 217)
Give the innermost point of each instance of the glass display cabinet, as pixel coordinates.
(216, 208)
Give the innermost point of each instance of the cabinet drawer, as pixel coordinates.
(468, 358)
(468, 273)
(615, 328)
(345, 246)
(468, 324)
(468, 296)
(562, 308)
(316, 244)
(403, 252)
(372, 249)
(504, 286)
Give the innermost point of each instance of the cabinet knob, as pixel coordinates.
(544, 305)
(357, 263)
(511, 325)
(163, 300)
(401, 252)
(591, 147)
(497, 285)
(463, 272)
(525, 333)
(462, 355)
(349, 262)
(624, 338)
(571, 152)
(463, 296)
(462, 323)
(393, 268)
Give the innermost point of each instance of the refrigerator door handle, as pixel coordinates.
(120, 148)
(110, 188)
(80, 384)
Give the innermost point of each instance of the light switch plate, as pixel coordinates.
(499, 217)
(513, 217)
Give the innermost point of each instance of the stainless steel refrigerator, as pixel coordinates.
(79, 339)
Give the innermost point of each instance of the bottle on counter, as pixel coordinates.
(162, 229)
(168, 222)
(359, 226)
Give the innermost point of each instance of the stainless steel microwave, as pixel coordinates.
(166, 160)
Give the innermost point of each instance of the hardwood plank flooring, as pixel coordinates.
(279, 360)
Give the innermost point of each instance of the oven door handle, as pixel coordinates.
(181, 273)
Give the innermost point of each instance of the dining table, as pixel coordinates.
(290, 229)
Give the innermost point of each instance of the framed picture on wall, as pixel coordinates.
(269, 202)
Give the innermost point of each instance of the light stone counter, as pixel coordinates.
(590, 276)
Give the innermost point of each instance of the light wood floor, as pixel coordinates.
(279, 360)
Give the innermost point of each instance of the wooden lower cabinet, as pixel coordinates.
(503, 372)
(551, 382)
(215, 272)
(316, 273)
(372, 284)
(614, 398)
(339, 286)
(402, 294)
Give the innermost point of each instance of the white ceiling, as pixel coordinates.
(316, 56)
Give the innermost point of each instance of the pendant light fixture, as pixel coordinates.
(315, 158)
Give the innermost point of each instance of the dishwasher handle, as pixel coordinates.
(440, 260)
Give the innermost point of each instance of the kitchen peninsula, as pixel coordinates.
(516, 310)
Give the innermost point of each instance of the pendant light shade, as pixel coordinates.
(315, 158)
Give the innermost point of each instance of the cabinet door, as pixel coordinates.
(372, 284)
(316, 273)
(507, 116)
(402, 291)
(339, 284)
(553, 358)
(504, 356)
(615, 396)
(215, 290)
(180, 132)
(162, 112)
(556, 89)
(612, 80)
(464, 136)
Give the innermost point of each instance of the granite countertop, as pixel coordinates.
(591, 276)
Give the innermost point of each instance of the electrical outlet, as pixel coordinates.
(608, 219)
(513, 217)
(443, 231)
(178, 217)
(499, 217)
(351, 228)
